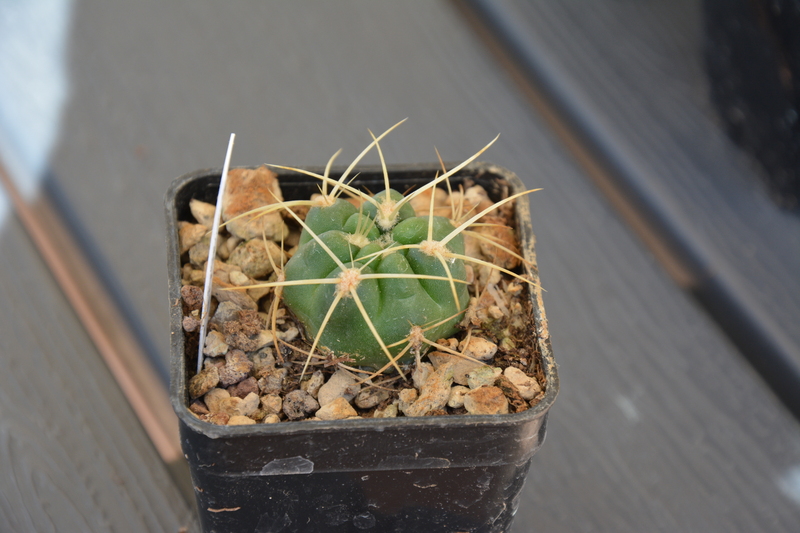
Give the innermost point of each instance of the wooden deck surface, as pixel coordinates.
(661, 425)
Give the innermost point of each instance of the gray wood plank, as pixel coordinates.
(74, 456)
(660, 424)
(630, 78)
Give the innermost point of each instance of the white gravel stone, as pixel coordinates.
(456, 398)
(478, 348)
(421, 373)
(527, 386)
(215, 344)
(340, 384)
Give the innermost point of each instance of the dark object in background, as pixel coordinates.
(752, 53)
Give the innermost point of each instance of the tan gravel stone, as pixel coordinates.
(337, 409)
(201, 383)
(272, 403)
(249, 189)
(434, 394)
(486, 401)
(190, 234)
(239, 420)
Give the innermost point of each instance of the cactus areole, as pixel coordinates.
(374, 273)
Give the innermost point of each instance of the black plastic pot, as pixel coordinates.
(429, 474)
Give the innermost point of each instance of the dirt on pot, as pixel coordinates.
(257, 367)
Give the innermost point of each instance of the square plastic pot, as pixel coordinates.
(431, 474)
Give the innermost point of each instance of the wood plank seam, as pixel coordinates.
(104, 324)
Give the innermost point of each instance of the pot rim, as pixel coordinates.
(178, 382)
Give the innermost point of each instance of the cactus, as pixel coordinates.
(376, 284)
(388, 278)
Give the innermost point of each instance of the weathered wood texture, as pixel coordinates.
(74, 457)
(660, 425)
(630, 78)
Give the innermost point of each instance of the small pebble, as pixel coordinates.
(237, 368)
(190, 323)
(298, 404)
(190, 234)
(225, 292)
(202, 212)
(337, 409)
(313, 384)
(263, 362)
(198, 254)
(215, 344)
(244, 387)
(486, 401)
(271, 419)
(370, 397)
(239, 420)
(201, 383)
(239, 279)
(478, 348)
(249, 189)
(192, 297)
(456, 398)
(271, 403)
(230, 406)
(272, 383)
(461, 366)
(226, 312)
(406, 398)
(527, 386)
(213, 398)
(434, 393)
(340, 384)
(198, 407)
(249, 404)
(390, 411)
(484, 375)
(253, 257)
(421, 373)
(220, 419)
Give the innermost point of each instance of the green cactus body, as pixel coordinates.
(393, 305)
